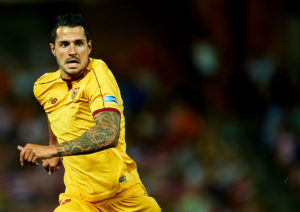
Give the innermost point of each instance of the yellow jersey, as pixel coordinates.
(70, 106)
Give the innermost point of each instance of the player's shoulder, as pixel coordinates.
(98, 65)
(96, 61)
(47, 78)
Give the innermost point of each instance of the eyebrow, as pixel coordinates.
(62, 41)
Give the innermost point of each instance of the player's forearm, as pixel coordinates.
(104, 135)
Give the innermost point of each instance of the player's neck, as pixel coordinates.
(73, 77)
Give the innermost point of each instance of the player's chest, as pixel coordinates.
(62, 97)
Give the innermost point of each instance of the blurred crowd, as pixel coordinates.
(211, 96)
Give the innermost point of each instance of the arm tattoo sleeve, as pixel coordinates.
(104, 135)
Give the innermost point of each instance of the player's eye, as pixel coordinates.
(64, 43)
(79, 42)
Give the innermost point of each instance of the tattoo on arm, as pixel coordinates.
(105, 134)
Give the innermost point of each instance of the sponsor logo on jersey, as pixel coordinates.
(52, 100)
(110, 98)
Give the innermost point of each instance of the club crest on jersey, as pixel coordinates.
(110, 98)
(52, 100)
(74, 92)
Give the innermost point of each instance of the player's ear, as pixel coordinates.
(52, 47)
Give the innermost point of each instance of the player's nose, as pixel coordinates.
(72, 50)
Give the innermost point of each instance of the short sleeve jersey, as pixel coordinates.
(70, 107)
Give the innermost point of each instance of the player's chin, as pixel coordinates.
(73, 71)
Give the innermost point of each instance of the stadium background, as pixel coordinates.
(211, 91)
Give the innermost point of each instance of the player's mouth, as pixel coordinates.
(72, 63)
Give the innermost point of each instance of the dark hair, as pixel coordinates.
(70, 20)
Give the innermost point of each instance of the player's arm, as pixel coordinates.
(104, 135)
(51, 165)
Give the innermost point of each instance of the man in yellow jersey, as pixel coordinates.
(86, 128)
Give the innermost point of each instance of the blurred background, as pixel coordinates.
(211, 94)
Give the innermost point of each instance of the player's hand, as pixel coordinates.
(32, 153)
(52, 165)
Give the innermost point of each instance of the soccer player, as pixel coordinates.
(86, 128)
